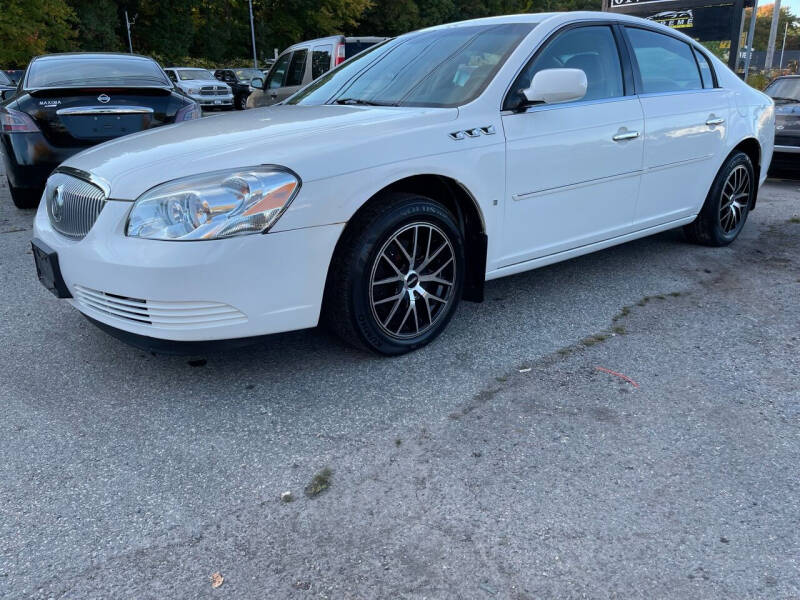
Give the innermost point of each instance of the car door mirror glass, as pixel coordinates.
(552, 86)
(257, 83)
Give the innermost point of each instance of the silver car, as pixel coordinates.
(302, 63)
(201, 85)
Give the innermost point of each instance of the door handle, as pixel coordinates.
(715, 121)
(625, 135)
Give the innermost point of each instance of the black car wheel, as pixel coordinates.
(727, 205)
(24, 197)
(397, 275)
(241, 102)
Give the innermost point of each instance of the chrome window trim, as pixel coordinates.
(105, 110)
(682, 92)
(542, 107)
(103, 184)
(787, 149)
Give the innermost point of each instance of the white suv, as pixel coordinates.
(201, 85)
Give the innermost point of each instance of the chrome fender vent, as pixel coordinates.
(472, 133)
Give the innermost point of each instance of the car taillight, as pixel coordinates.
(339, 54)
(14, 121)
(188, 112)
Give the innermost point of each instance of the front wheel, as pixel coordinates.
(727, 205)
(241, 102)
(397, 275)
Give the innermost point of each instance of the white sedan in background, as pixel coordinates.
(381, 194)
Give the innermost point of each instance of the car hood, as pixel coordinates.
(314, 141)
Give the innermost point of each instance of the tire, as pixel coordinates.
(241, 102)
(727, 205)
(371, 280)
(24, 197)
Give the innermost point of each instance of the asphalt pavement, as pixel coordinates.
(622, 425)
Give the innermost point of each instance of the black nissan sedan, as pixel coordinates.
(68, 102)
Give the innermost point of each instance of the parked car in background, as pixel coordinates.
(201, 86)
(785, 92)
(14, 75)
(239, 82)
(302, 63)
(69, 102)
(391, 188)
(7, 87)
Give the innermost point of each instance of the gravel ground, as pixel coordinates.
(499, 462)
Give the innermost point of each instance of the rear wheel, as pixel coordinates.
(397, 275)
(727, 205)
(24, 197)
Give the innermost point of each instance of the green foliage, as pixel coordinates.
(209, 33)
(32, 27)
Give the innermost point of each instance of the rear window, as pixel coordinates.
(94, 71)
(321, 60)
(4, 79)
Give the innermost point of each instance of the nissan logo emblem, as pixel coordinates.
(103, 98)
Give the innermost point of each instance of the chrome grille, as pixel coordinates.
(73, 205)
(213, 90)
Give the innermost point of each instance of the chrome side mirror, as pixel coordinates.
(552, 86)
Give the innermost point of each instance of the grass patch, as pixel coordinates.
(319, 483)
(595, 339)
(619, 330)
(398, 442)
(795, 220)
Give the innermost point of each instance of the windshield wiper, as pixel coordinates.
(359, 101)
(782, 98)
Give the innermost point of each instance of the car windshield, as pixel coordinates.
(439, 68)
(189, 74)
(785, 89)
(87, 71)
(4, 79)
(247, 74)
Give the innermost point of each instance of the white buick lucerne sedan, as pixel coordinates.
(384, 192)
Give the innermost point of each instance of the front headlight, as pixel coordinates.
(215, 205)
(193, 91)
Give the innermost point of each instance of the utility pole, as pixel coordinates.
(750, 35)
(128, 27)
(785, 30)
(253, 35)
(773, 30)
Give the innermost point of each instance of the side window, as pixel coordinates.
(297, 68)
(666, 64)
(705, 69)
(321, 60)
(278, 72)
(591, 49)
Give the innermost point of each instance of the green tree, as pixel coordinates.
(32, 27)
(98, 25)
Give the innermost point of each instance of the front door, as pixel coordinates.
(572, 169)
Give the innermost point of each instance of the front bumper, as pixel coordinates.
(193, 291)
(29, 158)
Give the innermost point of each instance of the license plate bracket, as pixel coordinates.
(48, 270)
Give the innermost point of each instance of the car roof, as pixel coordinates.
(92, 55)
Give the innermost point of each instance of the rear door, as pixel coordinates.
(685, 125)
